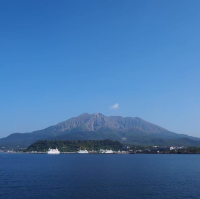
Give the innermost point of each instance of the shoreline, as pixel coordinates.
(115, 153)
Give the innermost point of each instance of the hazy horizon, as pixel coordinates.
(130, 58)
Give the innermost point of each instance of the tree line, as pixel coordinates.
(74, 145)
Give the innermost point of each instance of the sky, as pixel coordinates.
(59, 59)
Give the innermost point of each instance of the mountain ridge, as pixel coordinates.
(129, 130)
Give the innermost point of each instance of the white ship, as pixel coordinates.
(83, 151)
(106, 151)
(53, 151)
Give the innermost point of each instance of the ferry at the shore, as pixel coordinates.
(109, 151)
(53, 151)
(106, 151)
(83, 151)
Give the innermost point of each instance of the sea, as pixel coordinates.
(99, 176)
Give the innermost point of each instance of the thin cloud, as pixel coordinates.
(115, 106)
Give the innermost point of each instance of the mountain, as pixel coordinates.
(128, 130)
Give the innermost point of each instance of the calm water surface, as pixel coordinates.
(81, 176)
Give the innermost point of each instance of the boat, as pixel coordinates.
(106, 151)
(83, 151)
(109, 151)
(53, 151)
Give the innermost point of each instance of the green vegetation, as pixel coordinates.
(73, 146)
(189, 150)
(164, 150)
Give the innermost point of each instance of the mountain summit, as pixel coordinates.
(130, 130)
(96, 121)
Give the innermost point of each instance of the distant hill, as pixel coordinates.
(74, 146)
(127, 130)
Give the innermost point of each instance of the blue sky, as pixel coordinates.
(59, 59)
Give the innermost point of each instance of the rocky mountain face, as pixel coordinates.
(93, 122)
(129, 130)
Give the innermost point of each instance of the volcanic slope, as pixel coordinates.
(128, 130)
